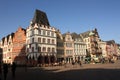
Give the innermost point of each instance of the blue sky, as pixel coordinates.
(67, 15)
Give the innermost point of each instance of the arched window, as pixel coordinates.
(44, 49)
(32, 49)
(48, 41)
(39, 49)
(53, 49)
(44, 40)
(53, 42)
(48, 49)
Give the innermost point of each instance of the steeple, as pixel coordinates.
(40, 17)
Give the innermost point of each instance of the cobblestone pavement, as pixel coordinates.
(69, 72)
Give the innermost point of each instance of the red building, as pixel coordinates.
(18, 51)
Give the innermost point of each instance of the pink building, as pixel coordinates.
(111, 48)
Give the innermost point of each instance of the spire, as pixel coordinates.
(40, 17)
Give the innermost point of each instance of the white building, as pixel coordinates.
(6, 45)
(79, 47)
(41, 39)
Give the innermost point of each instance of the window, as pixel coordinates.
(53, 49)
(48, 33)
(44, 32)
(48, 41)
(39, 40)
(69, 51)
(32, 49)
(8, 49)
(40, 32)
(32, 32)
(52, 34)
(44, 49)
(32, 40)
(60, 51)
(36, 46)
(69, 45)
(48, 49)
(35, 31)
(39, 49)
(29, 45)
(44, 40)
(60, 44)
(53, 42)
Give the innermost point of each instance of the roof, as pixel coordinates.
(90, 33)
(40, 17)
(110, 42)
(85, 34)
(3, 39)
(64, 35)
(76, 36)
(12, 34)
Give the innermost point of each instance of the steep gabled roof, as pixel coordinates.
(8, 36)
(3, 39)
(12, 34)
(40, 17)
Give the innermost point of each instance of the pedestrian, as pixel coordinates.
(73, 63)
(5, 70)
(13, 69)
(80, 63)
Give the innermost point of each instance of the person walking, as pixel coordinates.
(80, 63)
(13, 69)
(73, 63)
(5, 70)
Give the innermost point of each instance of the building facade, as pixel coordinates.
(19, 46)
(43, 44)
(41, 40)
(60, 47)
(103, 46)
(13, 46)
(6, 45)
(68, 47)
(91, 38)
(79, 47)
(111, 49)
